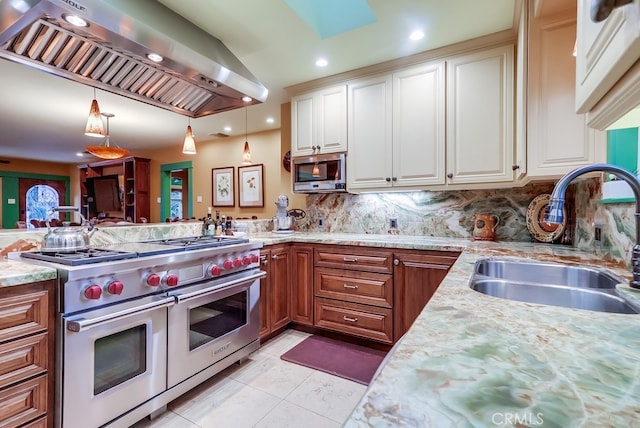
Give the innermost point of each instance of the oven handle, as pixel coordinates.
(188, 296)
(85, 324)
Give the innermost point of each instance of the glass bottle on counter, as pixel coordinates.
(207, 225)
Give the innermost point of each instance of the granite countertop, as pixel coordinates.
(476, 360)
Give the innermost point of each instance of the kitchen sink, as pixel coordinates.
(552, 284)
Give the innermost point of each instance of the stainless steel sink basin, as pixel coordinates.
(552, 284)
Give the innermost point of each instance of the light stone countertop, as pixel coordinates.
(472, 360)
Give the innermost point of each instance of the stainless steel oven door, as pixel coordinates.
(114, 359)
(211, 321)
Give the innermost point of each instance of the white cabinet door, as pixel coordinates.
(419, 125)
(331, 121)
(302, 129)
(480, 141)
(369, 124)
(319, 122)
(558, 139)
(606, 50)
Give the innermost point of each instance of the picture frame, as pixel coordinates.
(223, 187)
(251, 185)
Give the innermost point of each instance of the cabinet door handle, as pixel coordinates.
(515, 167)
(387, 179)
(450, 175)
(396, 262)
(395, 179)
(265, 262)
(346, 318)
(274, 257)
(350, 259)
(353, 287)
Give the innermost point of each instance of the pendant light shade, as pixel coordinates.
(189, 146)
(246, 154)
(107, 151)
(94, 127)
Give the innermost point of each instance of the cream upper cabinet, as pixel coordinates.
(606, 51)
(480, 100)
(319, 121)
(396, 129)
(558, 139)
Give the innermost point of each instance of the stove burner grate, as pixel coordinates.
(200, 241)
(80, 257)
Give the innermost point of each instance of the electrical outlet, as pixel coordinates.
(597, 233)
(393, 223)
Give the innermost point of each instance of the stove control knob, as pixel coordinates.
(153, 280)
(171, 280)
(227, 264)
(246, 260)
(93, 292)
(237, 263)
(115, 287)
(255, 258)
(214, 270)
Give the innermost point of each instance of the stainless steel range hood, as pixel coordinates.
(198, 76)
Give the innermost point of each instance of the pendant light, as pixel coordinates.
(189, 146)
(107, 151)
(95, 127)
(246, 154)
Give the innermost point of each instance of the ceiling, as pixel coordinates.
(42, 117)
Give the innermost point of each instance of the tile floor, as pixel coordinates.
(265, 391)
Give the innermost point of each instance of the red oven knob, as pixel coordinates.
(255, 258)
(93, 292)
(214, 270)
(237, 263)
(227, 264)
(246, 260)
(153, 280)
(171, 280)
(115, 287)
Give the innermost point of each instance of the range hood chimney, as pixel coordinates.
(198, 75)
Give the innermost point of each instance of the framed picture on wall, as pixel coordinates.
(222, 187)
(251, 186)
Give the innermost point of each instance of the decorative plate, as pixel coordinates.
(538, 228)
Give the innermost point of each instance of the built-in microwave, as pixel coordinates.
(319, 173)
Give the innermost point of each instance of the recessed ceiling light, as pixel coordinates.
(227, 129)
(321, 62)
(155, 57)
(416, 35)
(270, 120)
(75, 20)
(247, 99)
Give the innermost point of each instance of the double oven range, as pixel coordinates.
(139, 324)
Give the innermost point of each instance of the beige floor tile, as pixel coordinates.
(167, 420)
(288, 415)
(328, 395)
(272, 375)
(283, 342)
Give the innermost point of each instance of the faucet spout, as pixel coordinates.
(556, 202)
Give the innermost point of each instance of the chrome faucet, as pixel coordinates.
(556, 201)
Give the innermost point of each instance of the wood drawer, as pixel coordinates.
(21, 315)
(358, 287)
(23, 402)
(23, 358)
(352, 318)
(369, 260)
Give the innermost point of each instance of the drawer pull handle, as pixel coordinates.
(346, 318)
(350, 259)
(353, 287)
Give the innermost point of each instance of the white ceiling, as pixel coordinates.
(42, 117)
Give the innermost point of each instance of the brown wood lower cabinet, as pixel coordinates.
(27, 320)
(274, 289)
(366, 321)
(302, 284)
(416, 276)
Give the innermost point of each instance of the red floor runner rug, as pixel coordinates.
(346, 360)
